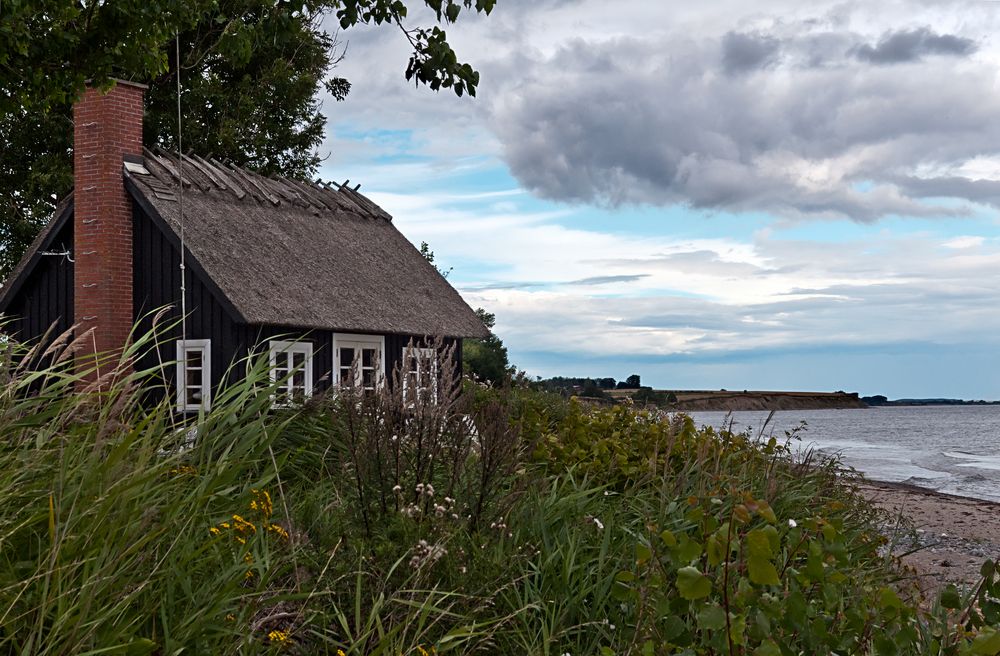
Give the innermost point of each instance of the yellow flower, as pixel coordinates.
(340, 652)
(281, 532)
(261, 503)
(279, 637)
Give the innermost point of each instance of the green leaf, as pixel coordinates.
(765, 511)
(642, 553)
(950, 598)
(692, 584)
(762, 571)
(889, 599)
(715, 550)
(767, 648)
(668, 538)
(987, 643)
(759, 545)
(688, 549)
(712, 618)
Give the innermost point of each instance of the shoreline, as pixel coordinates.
(950, 535)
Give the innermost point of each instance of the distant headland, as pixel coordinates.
(608, 390)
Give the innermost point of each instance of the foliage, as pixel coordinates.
(251, 71)
(428, 254)
(632, 382)
(495, 520)
(486, 359)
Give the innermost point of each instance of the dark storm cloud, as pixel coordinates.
(746, 52)
(661, 121)
(913, 45)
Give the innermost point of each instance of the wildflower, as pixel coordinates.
(279, 637)
(396, 489)
(261, 503)
(429, 490)
(277, 530)
(215, 531)
(340, 652)
(792, 523)
(424, 553)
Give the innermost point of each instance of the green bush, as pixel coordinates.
(494, 521)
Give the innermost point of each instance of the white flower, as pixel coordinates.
(396, 489)
(792, 523)
(598, 524)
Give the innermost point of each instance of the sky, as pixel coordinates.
(774, 195)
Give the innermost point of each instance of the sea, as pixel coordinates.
(950, 449)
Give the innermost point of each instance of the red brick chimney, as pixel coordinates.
(107, 126)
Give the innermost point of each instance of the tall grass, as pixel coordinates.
(481, 521)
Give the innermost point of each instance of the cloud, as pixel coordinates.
(913, 45)
(746, 52)
(780, 118)
(605, 280)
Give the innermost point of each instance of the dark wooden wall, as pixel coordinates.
(46, 299)
(156, 284)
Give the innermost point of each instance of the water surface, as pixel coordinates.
(953, 449)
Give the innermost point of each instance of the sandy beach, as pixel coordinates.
(954, 535)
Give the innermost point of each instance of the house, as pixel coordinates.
(317, 275)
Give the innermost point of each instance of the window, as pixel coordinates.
(420, 375)
(360, 360)
(194, 375)
(292, 369)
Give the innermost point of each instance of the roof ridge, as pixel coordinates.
(242, 184)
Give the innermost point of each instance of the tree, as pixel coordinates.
(632, 382)
(251, 71)
(486, 359)
(425, 250)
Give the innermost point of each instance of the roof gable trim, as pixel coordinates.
(33, 255)
(189, 259)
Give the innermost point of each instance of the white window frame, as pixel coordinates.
(284, 348)
(423, 356)
(183, 348)
(343, 340)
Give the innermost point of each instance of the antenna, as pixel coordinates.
(180, 190)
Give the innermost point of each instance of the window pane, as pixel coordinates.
(299, 378)
(345, 376)
(368, 357)
(192, 358)
(368, 377)
(346, 357)
(298, 360)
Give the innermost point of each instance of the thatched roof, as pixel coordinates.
(288, 253)
(302, 254)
